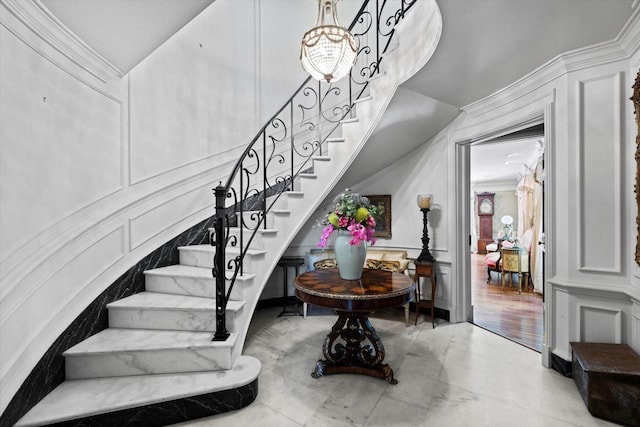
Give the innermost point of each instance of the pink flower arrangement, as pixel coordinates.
(354, 213)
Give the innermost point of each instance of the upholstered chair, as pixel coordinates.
(385, 265)
(493, 260)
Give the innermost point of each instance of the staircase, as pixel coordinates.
(156, 364)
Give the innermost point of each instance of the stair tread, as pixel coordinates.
(116, 339)
(82, 398)
(212, 249)
(189, 271)
(262, 230)
(158, 300)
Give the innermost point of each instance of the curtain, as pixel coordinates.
(526, 203)
(530, 217)
(536, 250)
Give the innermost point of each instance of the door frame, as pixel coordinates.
(462, 310)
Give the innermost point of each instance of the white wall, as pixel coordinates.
(425, 170)
(583, 97)
(593, 283)
(95, 175)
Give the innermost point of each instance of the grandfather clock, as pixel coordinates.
(485, 213)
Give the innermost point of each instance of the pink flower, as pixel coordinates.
(358, 232)
(370, 238)
(343, 221)
(371, 222)
(326, 232)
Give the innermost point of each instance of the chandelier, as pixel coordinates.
(328, 50)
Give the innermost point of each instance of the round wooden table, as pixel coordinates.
(344, 348)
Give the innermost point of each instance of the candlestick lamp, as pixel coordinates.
(424, 203)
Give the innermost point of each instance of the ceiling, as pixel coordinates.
(125, 31)
(485, 46)
(504, 162)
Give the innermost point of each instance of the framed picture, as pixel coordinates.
(383, 217)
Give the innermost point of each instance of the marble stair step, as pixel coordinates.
(194, 281)
(258, 242)
(122, 352)
(282, 201)
(202, 256)
(76, 399)
(152, 310)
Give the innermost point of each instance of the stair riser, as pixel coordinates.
(191, 286)
(277, 220)
(181, 285)
(259, 239)
(205, 259)
(125, 363)
(174, 320)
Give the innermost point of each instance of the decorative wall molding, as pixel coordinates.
(629, 36)
(223, 159)
(43, 23)
(16, 296)
(29, 248)
(443, 287)
(621, 48)
(635, 325)
(605, 290)
(138, 237)
(549, 195)
(80, 270)
(593, 317)
(523, 89)
(586, 192)
(480, 130)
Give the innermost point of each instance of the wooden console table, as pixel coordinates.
(515, 260)
(426, 270)
(343, 347)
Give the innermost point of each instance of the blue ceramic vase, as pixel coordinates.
(350, 258)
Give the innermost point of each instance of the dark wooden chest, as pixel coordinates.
(608, 378)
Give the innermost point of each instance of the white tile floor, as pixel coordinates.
(453, 375)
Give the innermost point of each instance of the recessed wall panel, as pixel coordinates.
(62, 143)
(599, 324)
(599, 140)
(194, 96)
(40, 304)
(171, 211)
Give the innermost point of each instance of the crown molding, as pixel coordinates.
(621, 48)
(36, 17)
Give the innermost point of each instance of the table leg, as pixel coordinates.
(345, 352)
(285, 291)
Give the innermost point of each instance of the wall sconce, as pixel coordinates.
(328, 50)
(424, 203)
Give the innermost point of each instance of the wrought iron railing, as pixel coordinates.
(286, 144)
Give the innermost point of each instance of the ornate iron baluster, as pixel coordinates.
(295, 140)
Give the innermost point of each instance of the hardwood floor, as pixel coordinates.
(517, 317)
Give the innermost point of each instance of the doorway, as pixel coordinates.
(506, 180)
